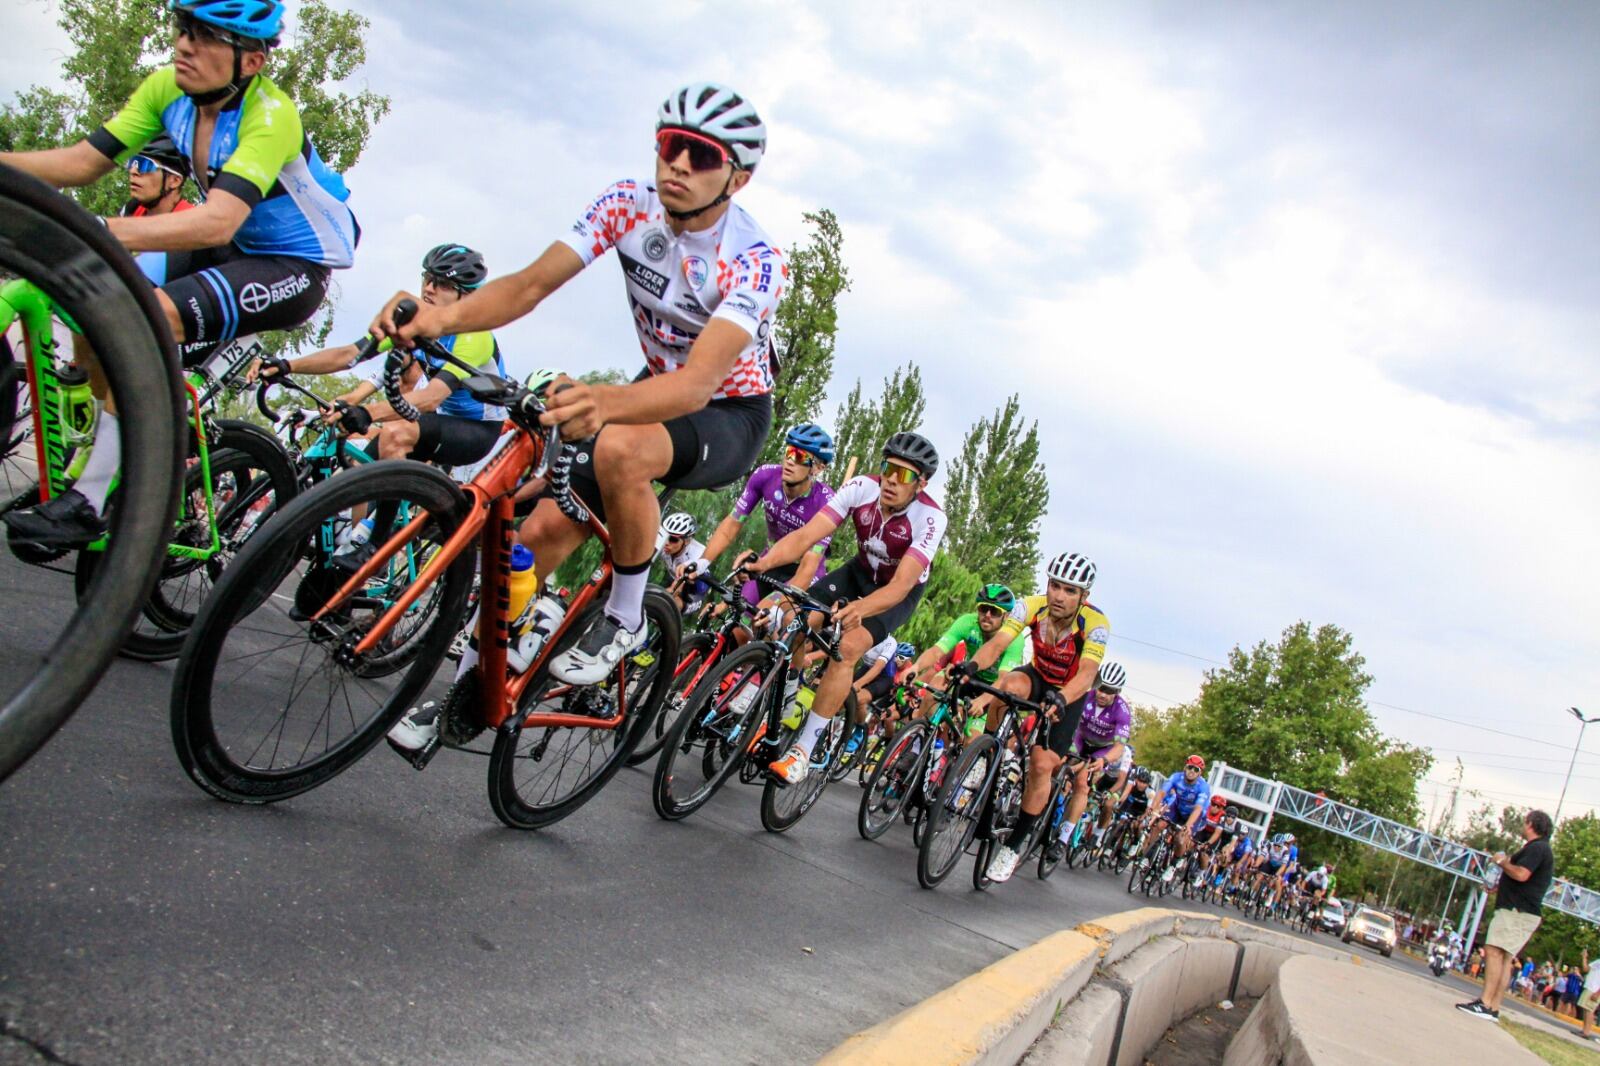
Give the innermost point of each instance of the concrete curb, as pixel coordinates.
(1102, 993)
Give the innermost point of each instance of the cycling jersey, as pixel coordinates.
(1058, 660)
(784, 515)
(479, 350)
(691, 550)
(1181, 798)
(1137, 803)
(965, 631)
(260, 153)
(1315, 880)
(677, 283)
(1100, 727)
(1280, 854)
(914, 532)
(1242, 847)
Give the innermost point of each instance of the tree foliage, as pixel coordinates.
(806, 327)
(995, 497)
(115, 44)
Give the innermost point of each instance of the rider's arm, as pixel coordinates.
(359, 393)
(791, 547)
(906, 576)
(994, 647)
(810, 563)
(726, 532)
(334, 360)
(428, 398)
(1077, 685)
(872, 672)
(69, 167)
(210, 225)
(667, 396)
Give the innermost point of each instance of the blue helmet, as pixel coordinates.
(256, 20)
(810, 437)
(906, 650)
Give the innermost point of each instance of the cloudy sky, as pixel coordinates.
(1305, 301)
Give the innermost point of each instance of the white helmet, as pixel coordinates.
(1112, 677)
(679, 524)
(1072, 569)
(719, 113)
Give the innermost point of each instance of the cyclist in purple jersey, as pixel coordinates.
(791, 495)
(1102, 738)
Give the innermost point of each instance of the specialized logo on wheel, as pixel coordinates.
(655, 246)
(255, 297)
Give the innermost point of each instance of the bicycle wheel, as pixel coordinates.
(784, 805)
(711, 735)
(691, 661)
(540, 774)
(845, 762)
(953, 818)
(266, 702)
(251, 477)
(872, 752)
(71, 257)
(893, 781)
(1046, 866)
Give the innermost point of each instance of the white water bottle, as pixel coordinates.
(355, 536)
(548, 611)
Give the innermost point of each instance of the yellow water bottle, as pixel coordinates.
(524, 581)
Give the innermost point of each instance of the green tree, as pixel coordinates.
(806, 325)
(115, 44)
(995, 497)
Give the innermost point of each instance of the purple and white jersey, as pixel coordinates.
(784, 516)
(1100, 727)
(885, 540)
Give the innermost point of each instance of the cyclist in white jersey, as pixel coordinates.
(702, 282)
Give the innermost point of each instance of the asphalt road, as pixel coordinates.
(388, 917)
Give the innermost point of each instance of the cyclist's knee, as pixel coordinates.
(853, 645)
(170, 310)
(626, 455)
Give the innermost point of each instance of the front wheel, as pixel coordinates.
(892, 782)
(712, 734)
(540, 774)
(268, 701)
(691, 664)
(782, 806)
(955, 811)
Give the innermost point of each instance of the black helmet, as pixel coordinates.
(164, 154)
(1143, 775)
(456, 264)
(915, 449)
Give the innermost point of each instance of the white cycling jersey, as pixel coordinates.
(692, 550)
(677, 283)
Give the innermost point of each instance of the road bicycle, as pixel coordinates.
(62, 264)
(913, 765)
(737, 721)
(270, 703)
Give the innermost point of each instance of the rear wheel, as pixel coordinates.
(540, 774)
(954, 813)
(268, 703)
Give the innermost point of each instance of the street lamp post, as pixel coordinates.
(1584, 724)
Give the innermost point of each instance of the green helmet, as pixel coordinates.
(997, 596)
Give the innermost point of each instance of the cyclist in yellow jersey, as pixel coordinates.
(1069, 637)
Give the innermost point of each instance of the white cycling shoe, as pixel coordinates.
(597, 653)
(1003, 865)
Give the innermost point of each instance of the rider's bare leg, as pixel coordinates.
(627, 459)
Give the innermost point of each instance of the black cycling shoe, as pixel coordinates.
(1055, 852)
(355, 558)
(66, 521)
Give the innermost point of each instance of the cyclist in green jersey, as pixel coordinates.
(970, 632)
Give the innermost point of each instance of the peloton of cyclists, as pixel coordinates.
(1184, 799)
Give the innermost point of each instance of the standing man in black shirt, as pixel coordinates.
(1526, 878)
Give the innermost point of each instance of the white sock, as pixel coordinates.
(105, 457)
(626, 603)
(791, 685)
(811, 732)
(469, 659)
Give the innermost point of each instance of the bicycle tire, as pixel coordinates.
(246, 588)
(679, 751)
(873, 750)
(931, 871)
(695, 647)
(242, 451)
(782, 806)
(12, 384)
(57, 246)
(877, 810)
(520, 805)
(840, 767)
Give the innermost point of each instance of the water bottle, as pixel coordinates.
(521, 585)
(742, 699)
(354, 537)
(935, 765)
(548, 612)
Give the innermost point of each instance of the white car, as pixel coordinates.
(1331, 917)
(1373, 928)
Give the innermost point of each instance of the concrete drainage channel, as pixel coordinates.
(1104, 993)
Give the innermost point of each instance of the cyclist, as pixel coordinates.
(898, 528)
(970, 632)
(1102, 739)
(1068, 635)
(1317, 884)
(884, 668)
(790, 494)
(1237, 860)
(702, 281)
(1279, 854)
(1184, 799)
(1212, 832)
(156, 177)
(455, 428)
(677, 548)
(258, 250)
